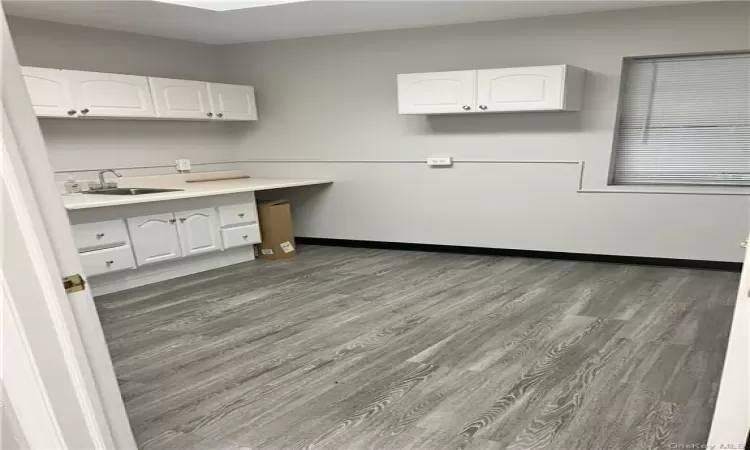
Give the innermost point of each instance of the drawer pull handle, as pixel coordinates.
(109, 263)
(244, 236)
(241, 215)
(99, 235)
(182, 219)
(172, 221)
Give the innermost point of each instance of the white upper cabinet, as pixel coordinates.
(75, 94)
(110, 95)
(154, 238)
(540, 88)
(232, 102)
(199, 231)
(181, 99)
(437, 92)
(49, 91)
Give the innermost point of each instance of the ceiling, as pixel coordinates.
(283, 19)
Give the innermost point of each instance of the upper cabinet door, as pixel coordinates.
(521, 89)
(233, 102)
(110, 95)
(154, 237)
(181, 99)
(199, 231)
(49, 92)
(437, 92)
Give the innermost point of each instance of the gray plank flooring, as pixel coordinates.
(378, 349)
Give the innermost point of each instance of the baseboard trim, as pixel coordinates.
(636, 260)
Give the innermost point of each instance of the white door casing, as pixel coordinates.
(199, 231)
(181, 99)
(108, 94)
(154, 238)
(437, 92)
(731, 421)
(520, 89)
(49, 91)
(75, 321)
(233, 102)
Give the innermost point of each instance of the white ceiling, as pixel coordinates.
(292, 19)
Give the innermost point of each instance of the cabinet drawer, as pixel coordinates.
(108, 260)
(244, 235)
(97, 235)
(238, 214)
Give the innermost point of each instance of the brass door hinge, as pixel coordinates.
(74, 283)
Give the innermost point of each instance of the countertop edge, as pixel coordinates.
(167, 196)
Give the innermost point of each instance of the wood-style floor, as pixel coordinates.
(377, 349)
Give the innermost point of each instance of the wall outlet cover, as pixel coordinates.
(440, 161)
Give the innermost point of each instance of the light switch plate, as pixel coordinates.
(440, 161)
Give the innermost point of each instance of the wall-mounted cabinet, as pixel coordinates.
(540, 88)
(77, 94)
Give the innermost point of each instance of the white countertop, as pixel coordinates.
(190, 190)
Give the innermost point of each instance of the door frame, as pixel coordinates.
(74, 316)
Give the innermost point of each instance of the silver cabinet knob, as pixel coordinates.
(99, 235)
(85, 111)
(483, 107)
(210, 114)
(466, 107)
(220, 115)
(182, 219)
(109, 263)
(241, 215)
(172, 221)
(72, 112)
(244, 236)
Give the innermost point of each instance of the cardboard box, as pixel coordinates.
(276, 230)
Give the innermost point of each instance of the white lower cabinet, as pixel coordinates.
(109, 246)
(242, 235)
(155, 238)
(198, 231)
(98, 235)
(108, 260)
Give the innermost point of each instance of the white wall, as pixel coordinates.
(96, 144)
(334, 98)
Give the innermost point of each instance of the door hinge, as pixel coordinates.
(74, 283)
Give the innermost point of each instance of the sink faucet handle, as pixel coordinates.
(103, 184)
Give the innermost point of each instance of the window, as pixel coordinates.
(684, 120)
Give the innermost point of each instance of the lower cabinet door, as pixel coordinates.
(199, 231)
(97, 262)
(244, 235)
(154, 238)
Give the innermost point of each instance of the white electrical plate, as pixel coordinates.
(440, 161)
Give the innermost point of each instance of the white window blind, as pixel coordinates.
(685, 120)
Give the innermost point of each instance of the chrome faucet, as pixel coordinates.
(106, 184)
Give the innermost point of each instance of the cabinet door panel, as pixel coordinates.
(520, 89)
(437, 92)
(110, 95)
(49, 91)
(154, 238)
(181, 98)
(233, 102)
(199, 231)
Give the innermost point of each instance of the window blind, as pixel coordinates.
(685, 120)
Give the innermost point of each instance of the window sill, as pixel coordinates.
(673, 190)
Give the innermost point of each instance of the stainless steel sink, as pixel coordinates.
(129, 191)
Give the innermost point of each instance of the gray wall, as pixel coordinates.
(334, 98)
(95, 144)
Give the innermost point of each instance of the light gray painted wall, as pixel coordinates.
(334, 98)
(95, 144)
